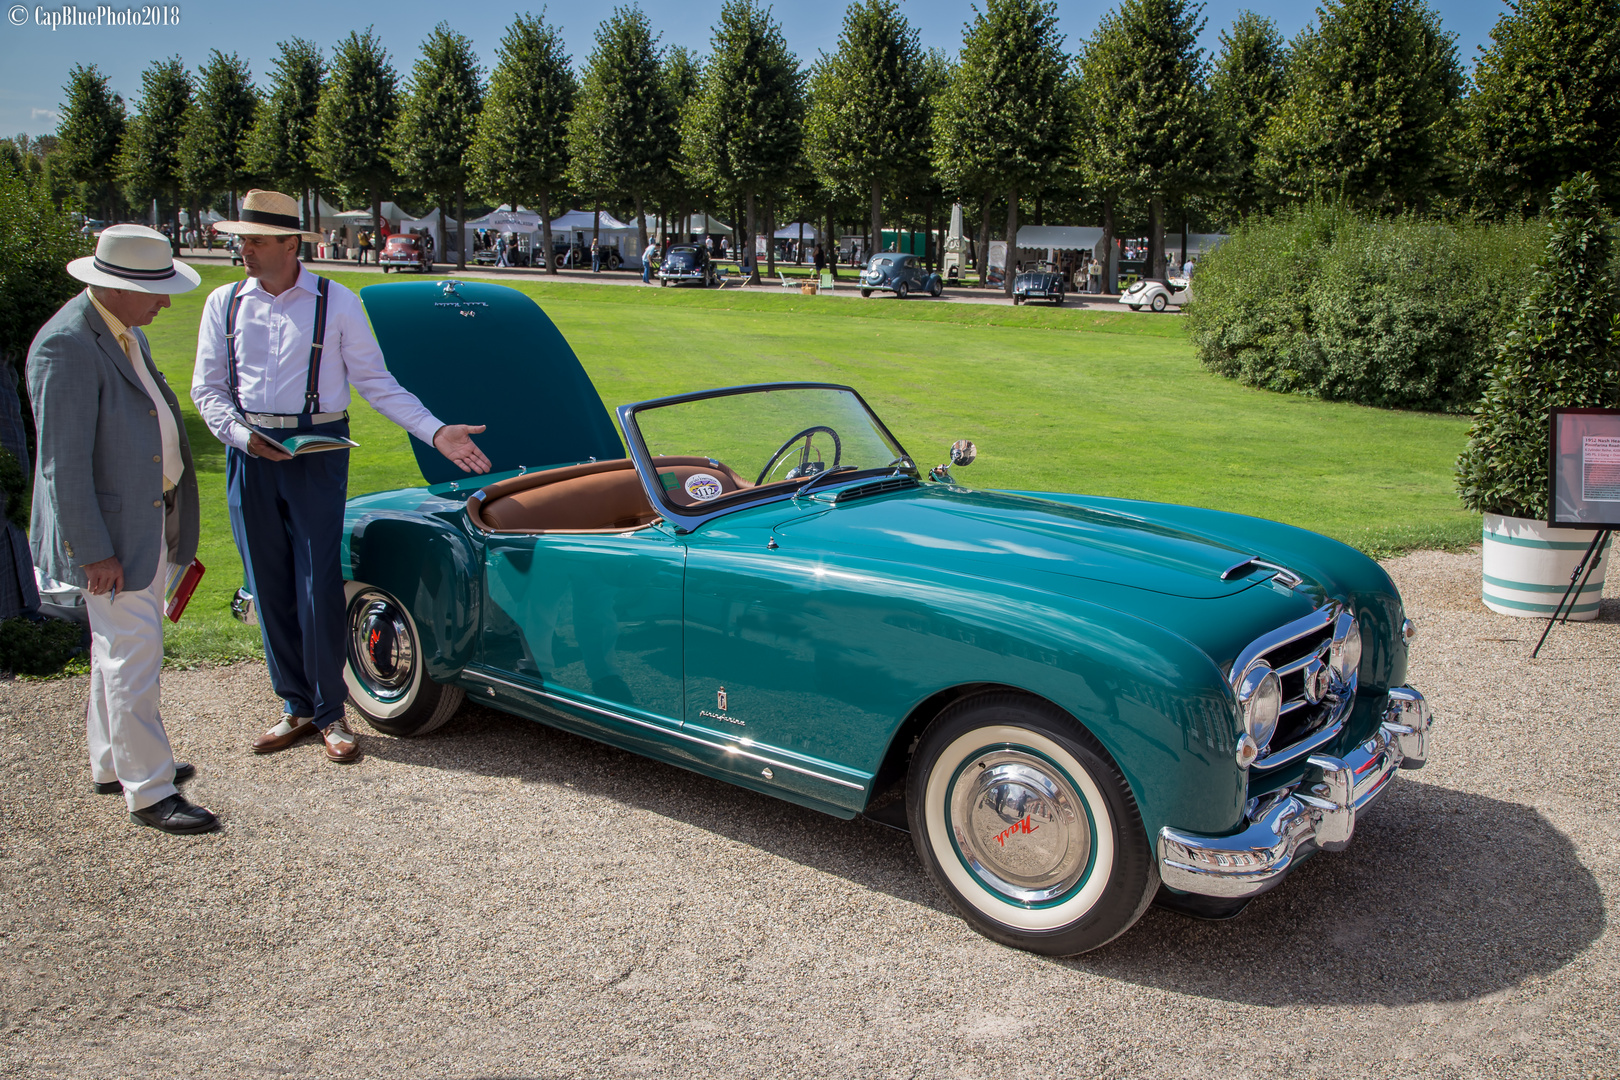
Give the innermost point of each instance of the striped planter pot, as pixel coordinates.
(1527, 568)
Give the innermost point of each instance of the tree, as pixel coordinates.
(682, 75)
(624, 113)
(433, 138)
(866, 129)
(520, 152)
(1561, 354)
(1150, 117)
(214, 148)
(358, 107)
(1003, 122)
(1247, 86)
(744, 130)
(1546, 103)
(282, 145)
(1372, 108)
(149, 162)
(91, 128)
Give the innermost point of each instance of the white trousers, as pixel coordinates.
(122, 725)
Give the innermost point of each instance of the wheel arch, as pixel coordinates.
(432, 569)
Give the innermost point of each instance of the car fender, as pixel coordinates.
(430, 565)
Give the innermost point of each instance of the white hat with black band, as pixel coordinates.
(267, 213)
(135, 258)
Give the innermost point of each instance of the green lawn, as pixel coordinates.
(1059, 400)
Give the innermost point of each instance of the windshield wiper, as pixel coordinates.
(820, 476)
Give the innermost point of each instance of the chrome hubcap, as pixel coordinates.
(381, 649)
(1020, 825)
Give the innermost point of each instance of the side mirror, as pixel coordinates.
(963, 452)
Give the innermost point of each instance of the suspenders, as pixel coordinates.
(312, 385)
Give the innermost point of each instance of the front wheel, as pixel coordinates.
(384, 667)
(935, 288)
(866, 293)
(1018, 814)
(1160, 303)
(1017, 299)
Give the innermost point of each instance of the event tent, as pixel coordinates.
(694, 224)
(578, 225)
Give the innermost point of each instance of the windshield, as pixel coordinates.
(879, 261)
(783, 436)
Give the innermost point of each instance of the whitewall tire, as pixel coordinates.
(383, 666)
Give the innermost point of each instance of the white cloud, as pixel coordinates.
(44, 114)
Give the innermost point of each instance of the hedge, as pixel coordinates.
(1392, 312)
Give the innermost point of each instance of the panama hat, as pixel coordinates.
(267, 213)
(136, 258)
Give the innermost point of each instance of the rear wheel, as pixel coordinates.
(1019, 815)
(1160, 303)
(935, 288)
(1017, 299)
(901, 290)
(1060, 299)
(384, 670)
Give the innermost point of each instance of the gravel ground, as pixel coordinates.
(504, 900)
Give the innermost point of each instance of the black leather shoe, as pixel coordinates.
(182, 772)
(175, 815)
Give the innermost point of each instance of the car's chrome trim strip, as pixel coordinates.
(664, 730)
(1313, 623)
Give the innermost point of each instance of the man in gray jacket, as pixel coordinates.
(115, 506)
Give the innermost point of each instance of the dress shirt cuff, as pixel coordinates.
(238, 434)
(427, 428)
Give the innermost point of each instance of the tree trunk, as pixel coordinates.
(877, 214)
(1184, 237)
(982, 256)
(545, 230)
(1156, 237)
(461, 227)
(1012, 239)
(1040, 214)
(1105, 246)
(800, 252)
(444, 235)
(928, 234)
(770, 235)
(748, 240)
(309, 249)
(174, 219)
(315, 212)
(829, 241)
(641, 225)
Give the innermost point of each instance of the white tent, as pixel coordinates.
(791, 232)
(578, 226)
(506, 219)
(1058, 237)
(699, 224)
(429, 223)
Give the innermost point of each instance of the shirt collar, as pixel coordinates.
(306, 281)
(119, 330)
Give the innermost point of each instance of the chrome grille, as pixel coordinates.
(1294, 651)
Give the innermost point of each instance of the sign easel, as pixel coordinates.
(1583, 491)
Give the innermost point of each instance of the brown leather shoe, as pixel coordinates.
(268, 743)
(341, 744)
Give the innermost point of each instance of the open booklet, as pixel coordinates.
(314, 444)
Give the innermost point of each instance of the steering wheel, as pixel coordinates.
(805, 467)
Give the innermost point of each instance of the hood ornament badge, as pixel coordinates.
(720, 699)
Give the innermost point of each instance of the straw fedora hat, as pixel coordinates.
(136, 258)
(267, 213)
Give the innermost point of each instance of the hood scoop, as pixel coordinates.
(860, 489)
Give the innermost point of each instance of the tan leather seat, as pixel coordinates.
(599, 496)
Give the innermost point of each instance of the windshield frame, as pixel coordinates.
(686, 519)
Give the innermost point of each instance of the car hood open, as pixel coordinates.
(1007, 535)
(479, 353)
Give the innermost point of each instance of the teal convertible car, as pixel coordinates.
(1076, 705)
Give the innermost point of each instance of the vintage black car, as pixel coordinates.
(1043, 282)
(687, 264)
(891, 271)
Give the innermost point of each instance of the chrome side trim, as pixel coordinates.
(1315, 815)
(663, 730)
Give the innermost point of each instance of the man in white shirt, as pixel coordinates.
(647, 260)
(276, 355)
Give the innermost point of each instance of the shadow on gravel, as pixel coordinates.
(1443, 895)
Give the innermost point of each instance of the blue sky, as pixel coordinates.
(35, 60)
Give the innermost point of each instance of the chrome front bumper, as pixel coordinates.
(1287, 825)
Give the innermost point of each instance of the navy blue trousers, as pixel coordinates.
(287, 517)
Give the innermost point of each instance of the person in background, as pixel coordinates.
(1187, 268)
(1094, 274)
(500, 251)
(647, 256)
(596, 257)
(276, 356)
(820, 260)
(115, 507)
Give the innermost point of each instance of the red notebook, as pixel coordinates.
(182, 583)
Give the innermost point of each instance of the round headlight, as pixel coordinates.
(1259, 694)
(1345, 656)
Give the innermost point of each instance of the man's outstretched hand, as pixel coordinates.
(454, 441)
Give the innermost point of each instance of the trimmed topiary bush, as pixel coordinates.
(1397, 313)
(1562, 353)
